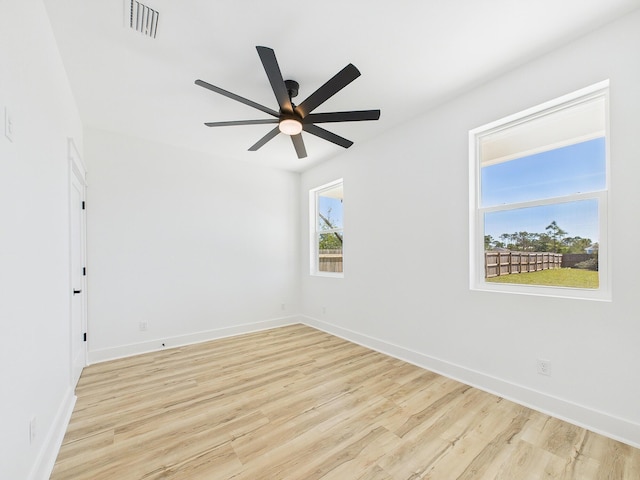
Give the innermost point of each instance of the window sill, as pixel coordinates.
(327, 274)
(600, 294)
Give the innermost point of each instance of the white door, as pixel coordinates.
(78, 279)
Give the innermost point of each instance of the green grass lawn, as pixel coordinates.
(560, 277)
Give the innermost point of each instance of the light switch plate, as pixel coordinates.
(8, 125)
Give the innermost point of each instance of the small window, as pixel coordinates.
(539, 196)
(327, 229)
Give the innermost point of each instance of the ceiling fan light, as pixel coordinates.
(290, 126)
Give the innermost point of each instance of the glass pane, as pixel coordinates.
(330, 209)
(330, 252)
(518, 243)
(564, 171)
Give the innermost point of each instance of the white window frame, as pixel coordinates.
(314, 232)
(476, 212)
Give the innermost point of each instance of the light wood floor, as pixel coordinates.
(297, 403)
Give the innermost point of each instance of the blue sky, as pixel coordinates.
(335, 215)
(564, 171)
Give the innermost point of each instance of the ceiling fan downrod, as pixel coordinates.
(292, 88)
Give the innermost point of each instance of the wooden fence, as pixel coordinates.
(569, 260)
(505, 263)
(330, 260)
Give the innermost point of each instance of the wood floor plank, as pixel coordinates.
(297, 403)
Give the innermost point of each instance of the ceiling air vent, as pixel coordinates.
(143, 19)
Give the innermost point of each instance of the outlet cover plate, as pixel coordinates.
(544, 367)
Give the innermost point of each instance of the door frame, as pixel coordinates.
(77, 171)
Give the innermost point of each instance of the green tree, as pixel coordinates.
(545, 242)
(576, 244)
(520, 241)
(331, 240)
(554, 239)
(557, 234)
(508, 241)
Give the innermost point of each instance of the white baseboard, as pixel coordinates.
(46, 459)
(600, 422)
(121, 351)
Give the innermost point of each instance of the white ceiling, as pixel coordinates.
(412, 55)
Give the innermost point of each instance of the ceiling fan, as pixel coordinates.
(293, 119)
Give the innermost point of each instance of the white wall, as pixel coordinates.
(407, 193)
(196, 246)
(201, 247)
(35, 377)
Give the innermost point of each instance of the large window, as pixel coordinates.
(327, 229)
(539, 196)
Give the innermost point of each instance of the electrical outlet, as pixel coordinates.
(142, 326)
(324, 310)
(282, 306)
(544, 367)
(32, 430)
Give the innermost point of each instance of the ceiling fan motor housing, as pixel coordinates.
(292, 87)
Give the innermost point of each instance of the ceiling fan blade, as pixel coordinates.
(298, 143)
(242, 122)
(327, 135)
(264, 139)
(238, 98)
(340, 80)
(354, 116)
(270, 64)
